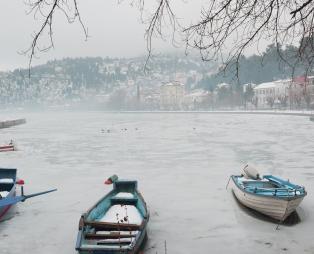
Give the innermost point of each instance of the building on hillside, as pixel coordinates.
(223, 85)
(171, 96)
(272, 94)
(198, 99)
(247, 87)
(302, 92)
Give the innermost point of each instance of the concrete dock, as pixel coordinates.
(10, 123)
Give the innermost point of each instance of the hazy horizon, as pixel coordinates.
(108, 33)
(115, 30)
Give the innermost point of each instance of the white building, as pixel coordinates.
(302, 91)
(198, 99)
(171, 96)
(269, 94)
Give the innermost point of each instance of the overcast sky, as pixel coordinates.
(115, 30)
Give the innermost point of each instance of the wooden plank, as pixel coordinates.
(117, 243)
(97, 225)
(90, 236)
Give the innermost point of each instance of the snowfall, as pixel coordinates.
(182, 163)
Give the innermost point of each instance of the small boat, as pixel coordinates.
(117, 223)
(269, 195)
(8, 198)
(8, 147)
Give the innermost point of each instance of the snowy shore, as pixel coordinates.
(254, 112)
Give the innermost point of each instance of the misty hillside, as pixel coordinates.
(80, 78)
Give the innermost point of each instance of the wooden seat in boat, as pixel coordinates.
(97, 225)
(118, 242)
(123, 201)
(91, 236)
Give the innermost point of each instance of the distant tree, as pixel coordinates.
(297, 100)
(208, 83)
(255, 102)
(190, 81)
(270, 101)
(306, 49)
(248, 94)
(307, 99)
(224, 95)
(283, 100)
(267, 67)
(117, 100)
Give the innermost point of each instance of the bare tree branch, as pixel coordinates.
(46, 10)
(225, 31)
(293, 13)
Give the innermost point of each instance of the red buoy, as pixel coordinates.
(20, 182)
(111, 179)
(108, 181)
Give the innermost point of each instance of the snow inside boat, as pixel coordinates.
(115, 224)
(270, 195)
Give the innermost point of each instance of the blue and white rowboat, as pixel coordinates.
(117, 223)
(270, 195)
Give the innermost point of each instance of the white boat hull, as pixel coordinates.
(273, 207)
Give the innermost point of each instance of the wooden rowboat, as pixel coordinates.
(8, 198)
(116, 223)
(270, 195)
(6, 148)
(7, 190)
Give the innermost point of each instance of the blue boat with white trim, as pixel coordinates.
(8, 198)
(270, 195)
(117, 223)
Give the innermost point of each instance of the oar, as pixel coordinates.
(14, 200)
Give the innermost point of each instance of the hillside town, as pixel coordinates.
(174, 83)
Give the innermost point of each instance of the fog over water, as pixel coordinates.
(182, 163)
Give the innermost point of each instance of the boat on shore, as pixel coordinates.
(11, 123)
(8, 197)
(269, 195)
(117, 223)
(8, 147)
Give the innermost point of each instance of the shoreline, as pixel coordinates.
(11, 123)
(284, 113)
(231, 112)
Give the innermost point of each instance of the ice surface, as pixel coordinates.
(182, 163)
(126, 214)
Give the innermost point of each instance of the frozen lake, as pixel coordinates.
(182, 163)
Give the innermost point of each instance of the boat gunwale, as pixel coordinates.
(289, 198)
(12, 193)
